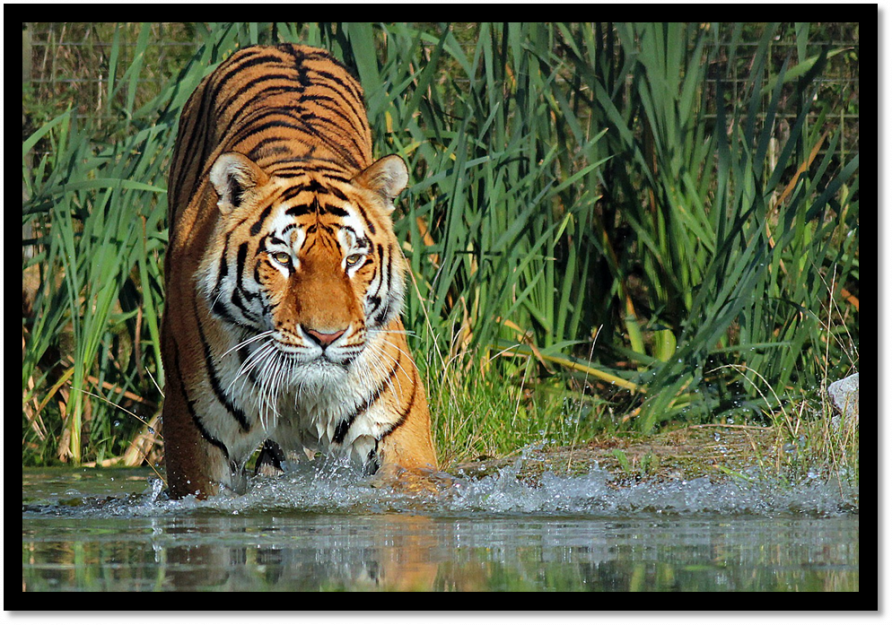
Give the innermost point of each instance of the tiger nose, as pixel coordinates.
(324, 338)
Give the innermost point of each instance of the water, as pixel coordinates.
(331, 530)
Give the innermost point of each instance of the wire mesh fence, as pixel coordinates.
(68, 65)
(71, 65)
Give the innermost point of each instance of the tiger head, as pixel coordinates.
(306, 265)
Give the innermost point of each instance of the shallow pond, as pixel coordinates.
(331, 530)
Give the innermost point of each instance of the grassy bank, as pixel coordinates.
(613, 230)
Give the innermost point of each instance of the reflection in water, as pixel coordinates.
(309, 533)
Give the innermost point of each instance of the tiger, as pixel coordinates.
(284, 280)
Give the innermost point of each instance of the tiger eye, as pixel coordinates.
(283, 258)
(353, 259)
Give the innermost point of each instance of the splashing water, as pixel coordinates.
(338, 489)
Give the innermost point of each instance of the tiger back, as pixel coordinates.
(284, 281)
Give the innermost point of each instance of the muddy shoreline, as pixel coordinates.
(712, 450)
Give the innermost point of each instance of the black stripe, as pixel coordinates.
(265, 85)
(292, 193)
(240, 293)
(273, 148)
(383, 265)
(218, 307)
(337, 193)
(230, 70)
(250, 131)
(312, 187)
(235, 66)
(190, 405)
(336, 110)
(331, 209)
(361, 241)
(381, 317)
(241, 261)
(388, 270)
(372, 463)
(234, 411)
(320, 70)
(314, 122)
(245, 116)
(365, 218)
(193, 120)
(257, 225)
(303, 164)
(352, 96)
(301, 210)
(406, 410)
(344, 426)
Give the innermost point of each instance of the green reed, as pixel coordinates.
(590, 235)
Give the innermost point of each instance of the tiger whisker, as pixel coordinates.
(270, 374)
(396, 361)
(247, 341)
(255, 358)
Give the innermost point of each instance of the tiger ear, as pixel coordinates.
(233, 175)
(387, 177)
